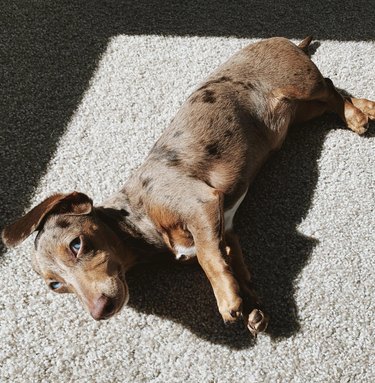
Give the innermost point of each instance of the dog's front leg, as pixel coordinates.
(207, 231)
(255, 319)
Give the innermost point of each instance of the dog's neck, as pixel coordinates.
(131, 225)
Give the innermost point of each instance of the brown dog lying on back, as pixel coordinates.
(183, 198)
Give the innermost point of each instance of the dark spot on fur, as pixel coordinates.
(208, 96)
(172, 157)
(146, 181)
(217, 81)
(228, 133)
(240, 83)
(230, 118)
(140, 203)
(224, 78)
(62, 223)
(146, 184)
(250, 86)
(213, 150)
(178, 133)
(247, 85)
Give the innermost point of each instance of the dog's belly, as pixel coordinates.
(185, 253)
(230, 213)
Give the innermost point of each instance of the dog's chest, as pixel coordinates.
(183, 243)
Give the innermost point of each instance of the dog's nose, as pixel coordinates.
(103, 307)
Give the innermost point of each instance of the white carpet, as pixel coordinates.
(306, 228)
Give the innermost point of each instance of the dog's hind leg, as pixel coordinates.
(320, 97)
(365, 106)
(353, 111)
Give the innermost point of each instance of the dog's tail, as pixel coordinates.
(304, 44)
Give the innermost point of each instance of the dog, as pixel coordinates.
(183, 198)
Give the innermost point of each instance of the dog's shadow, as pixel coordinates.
(275, 250)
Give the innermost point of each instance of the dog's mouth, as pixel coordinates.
(112, 310)
(122, 298)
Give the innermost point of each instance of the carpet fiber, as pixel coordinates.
(85, 94)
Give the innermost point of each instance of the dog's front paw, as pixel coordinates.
(231, 311)
(359, 129)
(357, 121)
(257, 322)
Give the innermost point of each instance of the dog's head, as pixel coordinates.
(75, 252)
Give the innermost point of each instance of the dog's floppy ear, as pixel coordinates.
(69, 204)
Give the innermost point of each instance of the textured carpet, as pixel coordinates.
(86, 90)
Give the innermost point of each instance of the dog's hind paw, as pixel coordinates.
(257, 322)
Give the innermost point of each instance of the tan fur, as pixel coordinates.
(198, 169)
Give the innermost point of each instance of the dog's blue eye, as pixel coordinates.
(75, 245)
(55, 285)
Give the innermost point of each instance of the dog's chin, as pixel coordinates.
(122, 297)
